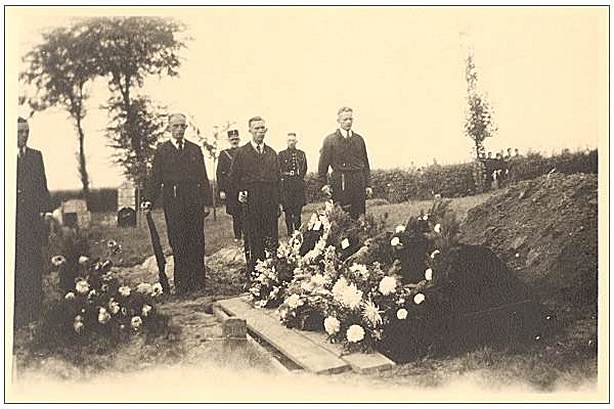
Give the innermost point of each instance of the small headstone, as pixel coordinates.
(75, 213)
(126, 204)
(234, 328)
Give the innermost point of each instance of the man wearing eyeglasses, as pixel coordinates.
(179, 173)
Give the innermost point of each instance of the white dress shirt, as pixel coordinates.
(345, 134)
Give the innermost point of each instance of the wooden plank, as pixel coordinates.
(360, 362)
(297, 348)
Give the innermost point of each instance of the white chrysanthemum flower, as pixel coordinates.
(112, 244)
(114, 306)
(425, 217)
(339, 288)
(419, 298)
(145, 310)
(78, 326)
(294, 301)
(437, 228)
(124, 290)
(371, 312)
(103, 316)
(136, 322)
(428, 274)
(355, 333)
(307, 286)
(318, 280)
(360, 269)
(82, 286)
(156, 290)
(435, 253)
(401, 313)
(395, 241)
(91, 294)
(351, 297)
(331, 325)
(399, 229)
(84, 260)
(69, 296)
(58, 260)
(387, 285)
(144, 288)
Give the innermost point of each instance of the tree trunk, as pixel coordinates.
(85, 180)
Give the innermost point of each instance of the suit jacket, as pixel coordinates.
(251, 170)
(182, 172)
(32, 193)
(286, 163)
(344, 155)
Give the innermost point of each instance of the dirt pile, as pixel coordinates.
(545, 230)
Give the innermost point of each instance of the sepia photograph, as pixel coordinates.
(306, 204)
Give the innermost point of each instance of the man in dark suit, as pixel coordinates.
(293, 165)
(31, 235)
(345, 152)
(228, 191)
(179, 173)
(255, 173)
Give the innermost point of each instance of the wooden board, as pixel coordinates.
(299, 349)
(360, 362)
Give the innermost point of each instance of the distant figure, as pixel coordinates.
(293, 166)
(228, 191)
(179, 173)
(508, 154)
(255, 173)
(345, 152)
(516, 153)
(33, 202)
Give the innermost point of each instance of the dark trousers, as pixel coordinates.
(293, 219)
(349, 192)
(237, 226)
(186, 235)
(28, 300)
(261, 221)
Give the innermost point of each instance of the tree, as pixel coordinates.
(130, 49)
(479, 123)
(59, 71)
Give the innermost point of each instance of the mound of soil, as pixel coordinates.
(545, 230)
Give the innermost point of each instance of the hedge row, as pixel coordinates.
(399, 185)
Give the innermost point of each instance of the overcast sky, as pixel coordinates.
(401, 69)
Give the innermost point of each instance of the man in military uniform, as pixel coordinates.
(345, 152)
(255, 173)
(293, 166)
(31, 235)
(179, 173)
(227, 191)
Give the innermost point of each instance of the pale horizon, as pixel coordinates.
(544, 70)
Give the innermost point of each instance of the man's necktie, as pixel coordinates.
(260, 149)
(180, 145)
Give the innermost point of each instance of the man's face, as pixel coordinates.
(23, 131)
(345, 120)
(258, 130)
(292, 141)
(234, 141)
(177, 126)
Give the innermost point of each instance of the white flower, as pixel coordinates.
(401, 313)
(260, 304)
(339, 287)
(294, 301)
(345, 243)
(112, 244)
(328, 206)
(435, 253)
(360, 269)
(136, 322)
(156, 290)
(355, 333)
(419, 298)
(425, 217)
(318, 280)
(69, 296)
(387, 285)
(437, 228)
(78, 318)
(307, 286)
(91, 294)
(103, 316)
(395, 241)
(83, 260)
(332, 325)
(372, 313)
(78, 326)
(114, 307)
(399, 229)
(82, 286)
(58, 260)
(351, 296)
(124, 290)
(146, 309)
(144, 288)
(428, 274)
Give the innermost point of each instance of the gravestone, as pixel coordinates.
(75, 213)
(126, 205)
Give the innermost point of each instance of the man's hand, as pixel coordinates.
(369, 192)
(222, 195)
(326, 189)
(243, 196)
(206, 212)
(146, 207)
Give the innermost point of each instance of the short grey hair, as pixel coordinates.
(254, 119)
(177, 115)
(344, 109)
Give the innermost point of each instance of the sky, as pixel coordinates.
(401, 69)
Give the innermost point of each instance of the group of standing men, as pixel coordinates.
(257, 183)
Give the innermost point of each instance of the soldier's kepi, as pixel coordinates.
(345, 152)
(179, 174)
